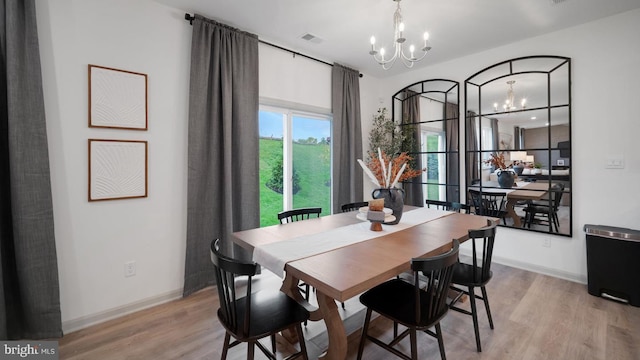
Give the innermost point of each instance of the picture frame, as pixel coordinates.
(117, 98)
(118, 169)
(506, 141)
(560, 162)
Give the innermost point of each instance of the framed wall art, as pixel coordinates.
(117, 98)
(117, 169)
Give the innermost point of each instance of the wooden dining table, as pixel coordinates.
(347, 271)
(523, 191)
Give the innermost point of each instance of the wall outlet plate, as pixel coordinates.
(129, 268)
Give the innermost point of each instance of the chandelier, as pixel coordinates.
(509, 103)
(398, 50)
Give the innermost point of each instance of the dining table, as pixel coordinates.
(341, 257)
(521, 191)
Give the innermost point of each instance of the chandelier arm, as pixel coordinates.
(398, 42)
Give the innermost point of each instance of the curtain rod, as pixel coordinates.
(190, 18)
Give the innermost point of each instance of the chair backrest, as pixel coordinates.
(226, 271)
(432, 302)
(298, 214)
(447, 205)
(438, 204)
(354, 206)
(557, 191)
(481, 270)
(488, 203)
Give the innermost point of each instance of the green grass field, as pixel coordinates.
(311, 162)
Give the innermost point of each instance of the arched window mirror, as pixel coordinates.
(520, 110)
(428, 111)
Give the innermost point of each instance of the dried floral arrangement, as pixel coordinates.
(498, 162)
(386, 171)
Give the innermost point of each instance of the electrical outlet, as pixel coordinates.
(546, 242)
(129, 268)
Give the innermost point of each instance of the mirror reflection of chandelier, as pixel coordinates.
(399, 40)
(509, 103)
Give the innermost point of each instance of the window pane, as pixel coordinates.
(271, 150)
(311, 163)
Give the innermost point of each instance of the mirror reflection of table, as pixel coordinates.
(522, 191)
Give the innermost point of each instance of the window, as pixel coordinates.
(295, 161)
(434, 160)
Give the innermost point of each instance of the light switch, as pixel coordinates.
(615, 163)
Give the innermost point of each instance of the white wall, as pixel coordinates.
(94, 240)
(605, 124)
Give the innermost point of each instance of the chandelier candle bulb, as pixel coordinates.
(398, 50)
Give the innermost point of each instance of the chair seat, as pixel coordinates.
(463, 274)
(541, 209)
(396, 300)
(271, 311)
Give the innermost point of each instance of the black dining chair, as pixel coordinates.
(489, 204)
(448, 205)
(415, 306)
(476, 274)
(288, 216)
(354, 206)
(547, 210)
(250, 316)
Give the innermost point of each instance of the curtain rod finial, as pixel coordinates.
(189, 17)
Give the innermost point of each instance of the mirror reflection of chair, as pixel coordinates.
(354, 206)
(412, 305)
(288, 216)
(489, 204)
(548, 211)
(249, 317)
(448, 205)
(476, 274)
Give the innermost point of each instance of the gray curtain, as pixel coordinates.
(451, 129)
(411, 115)
(495, 133)
(29, 290)
(518, 136)
(473, 154)
(346, 137)
(223, 191)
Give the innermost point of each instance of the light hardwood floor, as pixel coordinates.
(536, 317)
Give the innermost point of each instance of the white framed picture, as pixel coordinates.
(117, 98)
(117, 169)
(560, 162)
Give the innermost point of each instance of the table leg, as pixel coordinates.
(335, 328)
(290, 287)
(512, 212)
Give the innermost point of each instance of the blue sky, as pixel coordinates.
(303, 128)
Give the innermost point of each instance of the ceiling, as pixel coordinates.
(343, 28)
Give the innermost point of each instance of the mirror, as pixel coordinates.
(428, 115)
(520, 110)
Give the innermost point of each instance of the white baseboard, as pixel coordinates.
(578, 278)
(93, 319)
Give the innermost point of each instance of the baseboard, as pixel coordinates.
(93, 319)
(578, 278)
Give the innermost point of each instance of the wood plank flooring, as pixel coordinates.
(536, 317)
